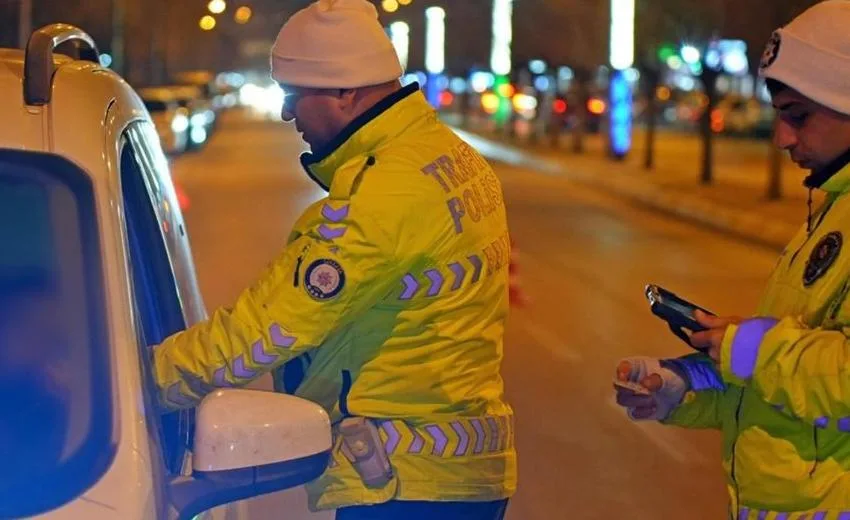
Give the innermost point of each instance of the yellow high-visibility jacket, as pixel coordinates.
(394, 291)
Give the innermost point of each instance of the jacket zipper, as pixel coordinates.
(811, 231)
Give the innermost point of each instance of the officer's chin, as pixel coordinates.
(317, 146)
(307, 141)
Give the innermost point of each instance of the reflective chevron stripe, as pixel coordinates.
(241, 366)
(335, 215)
(435, 279)
(176, 396)
(746, 513)
(458, 438)
(462, 437)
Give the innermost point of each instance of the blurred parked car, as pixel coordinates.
(202, 118)
(171, 120)
(743, 117)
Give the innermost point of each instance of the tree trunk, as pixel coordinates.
(654, 78)
(24, 22)
(581, 116)
(465, 107)
(538, 119)
(709, 80)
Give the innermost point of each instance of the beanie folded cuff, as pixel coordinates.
(360, 71)
(818, 74)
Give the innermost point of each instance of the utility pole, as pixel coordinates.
(24, 22)
(118, 28)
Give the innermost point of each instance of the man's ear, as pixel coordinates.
(348, 98)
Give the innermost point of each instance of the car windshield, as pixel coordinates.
(55, 413)
(155, 106)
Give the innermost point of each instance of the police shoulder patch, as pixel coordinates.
(324, 279)
(822, 257)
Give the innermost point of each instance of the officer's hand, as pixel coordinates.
(660, 389)
(709, 341)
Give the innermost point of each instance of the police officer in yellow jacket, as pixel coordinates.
(778, 384)
(392, 292)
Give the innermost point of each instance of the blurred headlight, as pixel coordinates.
(198, 135)
(199, 120)
(180, 123)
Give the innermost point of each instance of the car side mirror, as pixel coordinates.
(249, 443)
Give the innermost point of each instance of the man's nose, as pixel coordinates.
(784, 136)
(286, 115)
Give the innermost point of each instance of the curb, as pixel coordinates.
(749, 225)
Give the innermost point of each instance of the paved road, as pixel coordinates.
(585, 259)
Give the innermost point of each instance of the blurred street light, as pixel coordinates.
(435, 40)
(490, 102)
(620, 96)
(405, 2)
(622, 42)
(207, 23)
(390, 6)
(506, 90)
(243, 14)
(400, 36)
(217, 6)
(500, 55)
(690, 54)
(666, 51)
(674, 62)
(435, 52)
(537, 66)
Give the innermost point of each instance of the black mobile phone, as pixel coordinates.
(676, 311)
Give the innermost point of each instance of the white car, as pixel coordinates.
(172, 122)
(95, 268)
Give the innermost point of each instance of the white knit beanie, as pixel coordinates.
(334, 44)
(812, 55)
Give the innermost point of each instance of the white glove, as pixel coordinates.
(648, 390)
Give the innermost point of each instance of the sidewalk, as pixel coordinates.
(735, 203)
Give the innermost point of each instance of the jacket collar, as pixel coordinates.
(384, 121)
(833, 178)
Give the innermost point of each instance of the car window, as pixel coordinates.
(155, 106)
(56, 436)
(155, 294)
(154, 165)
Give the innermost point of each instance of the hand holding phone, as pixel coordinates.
(676, 311)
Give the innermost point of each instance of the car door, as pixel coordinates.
(165, 286)
(158, 312)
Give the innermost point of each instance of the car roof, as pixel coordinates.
(72, 122)
(18, 127)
